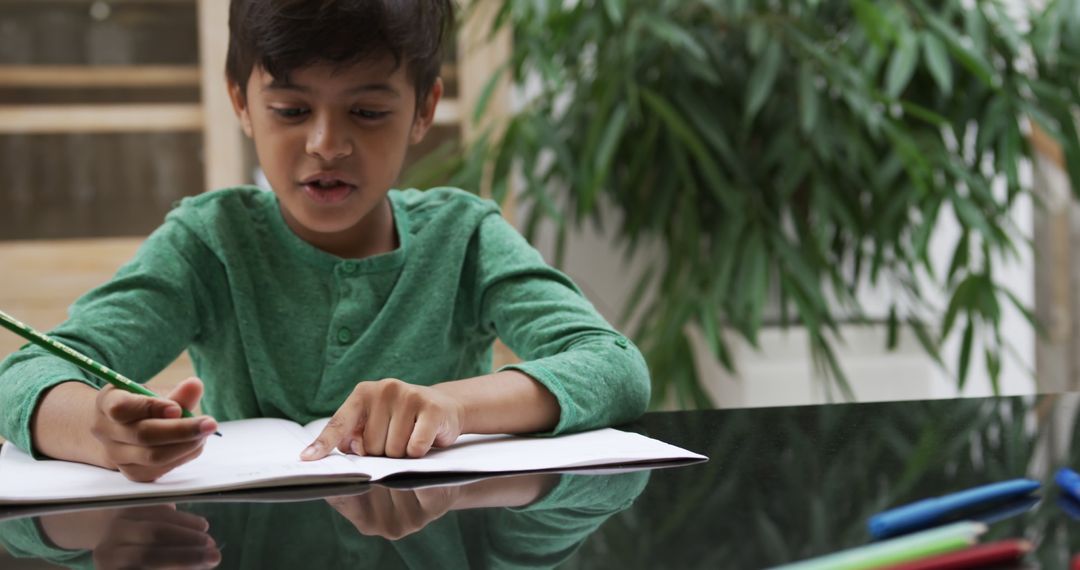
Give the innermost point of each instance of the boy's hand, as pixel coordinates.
(393, 418)
(395, 513)
(156, 536)
(145, 438)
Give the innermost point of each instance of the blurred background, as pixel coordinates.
(782, 202)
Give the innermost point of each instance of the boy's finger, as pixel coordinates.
(124, 454)
(423, 436)
(146, 473)
(398, 433)
(124, 407)
(187, 393)
(153, 432)
(375, 430)
(341, 424)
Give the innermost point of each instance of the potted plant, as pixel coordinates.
(782, 153)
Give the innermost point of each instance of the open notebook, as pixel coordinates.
(266, 453)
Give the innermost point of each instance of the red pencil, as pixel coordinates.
(1001, 552)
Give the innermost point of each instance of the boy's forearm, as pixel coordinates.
(504, 402)
(61, 426)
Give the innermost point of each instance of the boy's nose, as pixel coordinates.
(328, 143)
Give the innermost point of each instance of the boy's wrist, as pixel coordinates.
(461, 408)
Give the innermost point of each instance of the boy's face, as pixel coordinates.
(332, 142)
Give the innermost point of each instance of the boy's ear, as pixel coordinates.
(239, 103)
(425, 115)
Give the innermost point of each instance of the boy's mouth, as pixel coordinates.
(327, 189)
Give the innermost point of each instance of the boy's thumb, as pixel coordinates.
(188, 393)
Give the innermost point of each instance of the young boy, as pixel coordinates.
(333, 295)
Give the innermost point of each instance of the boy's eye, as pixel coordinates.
(370, 115)
(290, 112)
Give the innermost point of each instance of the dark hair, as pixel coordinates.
(284, 35)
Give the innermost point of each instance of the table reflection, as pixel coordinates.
(535, 520)
(782, 484)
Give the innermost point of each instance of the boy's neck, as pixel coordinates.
(373, 235)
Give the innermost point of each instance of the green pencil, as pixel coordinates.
(897, 550)
(78, 359)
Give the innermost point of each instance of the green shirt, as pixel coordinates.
(278, 328)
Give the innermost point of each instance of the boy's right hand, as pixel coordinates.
(145, 438)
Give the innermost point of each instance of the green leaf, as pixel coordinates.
(965, 352)
(893, 327)
(677, 37)
(993, 367)
(481, 107)
(762, 80)
(873, 22)
(615, 9)
(924, 337)
(809, 103)
(902, 64)
(682, 130)
(938, 62)
(966, 56)
(606, 152)
(959, 258)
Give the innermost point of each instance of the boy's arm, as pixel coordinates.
(137, 323)
(508, 401)
(62, 424)
(596, 375)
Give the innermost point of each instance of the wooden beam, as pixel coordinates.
(223, 139)
(82, 76)
(99, 118)
(479, 55)
(1046, 145)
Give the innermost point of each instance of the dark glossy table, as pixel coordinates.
(782, 484)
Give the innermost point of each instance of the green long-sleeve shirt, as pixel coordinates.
(278, 328)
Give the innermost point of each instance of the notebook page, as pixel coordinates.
(500, 453)
(250, 453)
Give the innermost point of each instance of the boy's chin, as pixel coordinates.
(329, 224)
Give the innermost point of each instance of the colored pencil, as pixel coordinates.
(75, 357)
(990, 554)
(907, 548)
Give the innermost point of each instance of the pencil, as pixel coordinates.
(71, 355)
(907, 548)
(991, 554)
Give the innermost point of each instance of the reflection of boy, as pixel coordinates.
(315, 299)
(552, 516)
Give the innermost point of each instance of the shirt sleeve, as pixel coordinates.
(136, 324)
(22, 538)
(597, 375)
(546, 533)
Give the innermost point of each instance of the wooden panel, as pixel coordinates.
(79, 76)
(42, 279)
(37, 119)
(224, 142)
(479, 55)
(448, 113)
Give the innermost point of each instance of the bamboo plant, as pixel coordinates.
(783, 153)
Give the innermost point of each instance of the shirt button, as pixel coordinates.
(621, 342)
(344, 335)
(348, 268)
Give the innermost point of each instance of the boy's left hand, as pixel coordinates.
(392, 418)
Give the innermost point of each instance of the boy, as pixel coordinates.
(332, 295)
